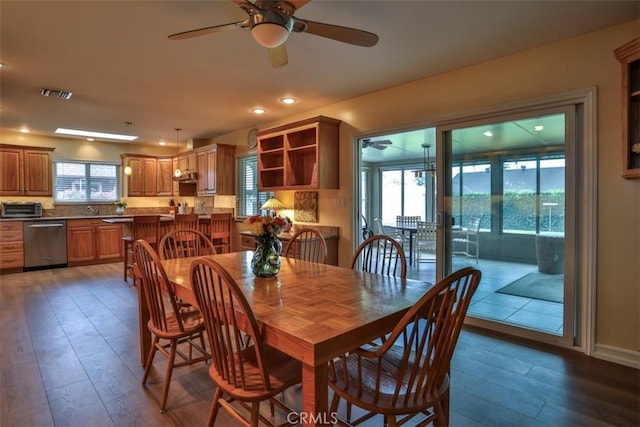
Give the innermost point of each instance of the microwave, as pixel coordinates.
(21, 209)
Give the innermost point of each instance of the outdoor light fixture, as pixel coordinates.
(428, 166)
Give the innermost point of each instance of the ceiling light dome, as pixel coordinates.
(270, 34)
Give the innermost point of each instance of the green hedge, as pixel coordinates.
(519, 210)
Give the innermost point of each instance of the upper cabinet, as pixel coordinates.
(25, 171)
(164, 176)
(216, 169)
(300, 155)
(143, 179)
(629, 57)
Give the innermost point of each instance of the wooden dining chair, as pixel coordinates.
(146, 227)
(247, 373)
(380, 254)
(220, 231)
(186, 221)
(170, 326)
(307, 244)
(408, 374)
(183, 243)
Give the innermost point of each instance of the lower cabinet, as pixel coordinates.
(11, 246)
(93, 241)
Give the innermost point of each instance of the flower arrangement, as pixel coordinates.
(120, 204)
(266, 225)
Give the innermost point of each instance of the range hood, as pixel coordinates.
(186, 178)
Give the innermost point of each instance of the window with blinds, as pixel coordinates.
(86, 182)
(248, 198)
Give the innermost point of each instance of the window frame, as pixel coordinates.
(87, 177)
(241, 188)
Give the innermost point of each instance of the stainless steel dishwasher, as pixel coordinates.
(45, 243)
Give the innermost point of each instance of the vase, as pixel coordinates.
(266, 258)
(119, 210)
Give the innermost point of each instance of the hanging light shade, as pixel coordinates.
(177, 172)
(127, 169)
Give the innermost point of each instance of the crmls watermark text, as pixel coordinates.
(306, 417)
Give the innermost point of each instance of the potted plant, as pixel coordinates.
(120, 205)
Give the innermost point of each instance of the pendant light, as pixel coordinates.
(127, 169)
(177, 173)
(428, 166)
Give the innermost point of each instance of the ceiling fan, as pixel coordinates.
(271, 22)
(378, 145)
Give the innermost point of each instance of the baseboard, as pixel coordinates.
(617, 355)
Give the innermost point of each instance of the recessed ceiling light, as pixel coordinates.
(487, 133)
(90, 139)
(288, 100)
(25, 130)
(162, 143)
(538, 128)
(90, 134)
(258, 110)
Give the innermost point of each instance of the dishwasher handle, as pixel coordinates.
(45, 225)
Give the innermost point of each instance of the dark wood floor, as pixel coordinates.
(69, 357)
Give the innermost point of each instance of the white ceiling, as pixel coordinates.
(116, 59)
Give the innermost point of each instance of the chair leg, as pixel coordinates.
(255, 414)
(215, 406)
(152, 354)
(167, 379)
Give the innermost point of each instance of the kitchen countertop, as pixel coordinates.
(111, 218)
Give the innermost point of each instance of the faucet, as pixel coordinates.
(93, 210)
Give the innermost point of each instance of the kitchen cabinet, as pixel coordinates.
(216, 169)
(629, 57)
(187, 162)
(11, 246)
(91, 241)
(25, 171)
(143, 179)
(164, 179)
(300, 155)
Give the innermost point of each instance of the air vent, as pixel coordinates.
(56, 93)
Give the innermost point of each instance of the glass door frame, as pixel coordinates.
(444, 167)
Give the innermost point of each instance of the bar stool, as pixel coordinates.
(220, 232)
(186, 221)
(146, 227)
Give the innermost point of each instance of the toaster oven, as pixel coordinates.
(21, 209)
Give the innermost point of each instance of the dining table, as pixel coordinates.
(312, 312)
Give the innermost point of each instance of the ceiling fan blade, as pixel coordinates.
(209, 30)
(336, 32)
(378, 146)
(278, 56)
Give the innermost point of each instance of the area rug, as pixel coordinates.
(546, 287)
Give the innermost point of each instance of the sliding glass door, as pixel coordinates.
(509, 207)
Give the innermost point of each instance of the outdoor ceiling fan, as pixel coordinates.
(378, 145)
(271, 22)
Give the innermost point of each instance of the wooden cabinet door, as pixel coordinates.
(135, 183)
(109, 242)
(212, 170)
(164, 177)
(81, 243)
(202, 169)
(225, 170)
(11, 171)
(37, 173)
(150, 178)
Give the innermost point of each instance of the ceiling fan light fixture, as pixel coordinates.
(269, 34)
